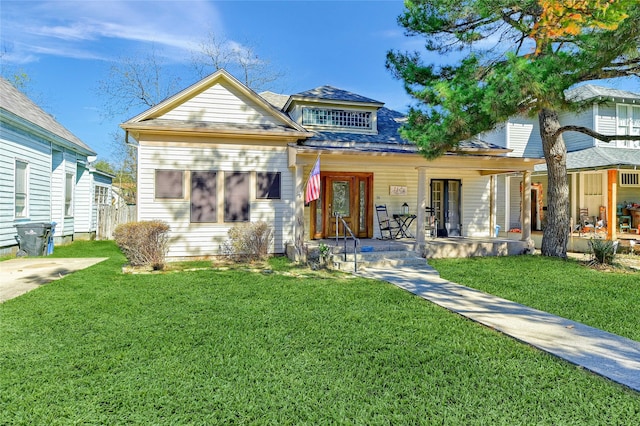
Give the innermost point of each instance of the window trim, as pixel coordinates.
(27, 170)
(69, 190)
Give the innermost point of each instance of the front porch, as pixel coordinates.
(506, 244)
(443, 247)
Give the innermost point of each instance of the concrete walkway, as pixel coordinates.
(18, 276)
(606, 354)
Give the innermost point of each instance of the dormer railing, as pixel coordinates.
(347, 230)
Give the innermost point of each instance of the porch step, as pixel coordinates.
(378, 260)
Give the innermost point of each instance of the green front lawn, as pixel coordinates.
(606, 300)
(244, 347)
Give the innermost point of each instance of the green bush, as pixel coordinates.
(144, 243)
(249, 241)
(602, 251)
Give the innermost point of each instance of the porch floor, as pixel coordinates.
(441, 247)
(452, 247)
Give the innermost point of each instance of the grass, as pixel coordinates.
(241, 347)
(602, 299)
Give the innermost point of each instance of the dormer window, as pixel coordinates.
(339, 118)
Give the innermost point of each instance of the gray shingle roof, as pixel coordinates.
(599, 158)
(590, 91)
(19, 104)
(275, 99)
(389, 122)
(387, 139)
(333, 94)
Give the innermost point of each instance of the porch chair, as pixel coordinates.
(431, 223)
(601, 222)
(386, 223)
(624, 222)
(586, 223)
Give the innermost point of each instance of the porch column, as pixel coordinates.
(526, 205)
(574, 199)
(492, 206)
(612, 202)
(298, 226)
(421, 203)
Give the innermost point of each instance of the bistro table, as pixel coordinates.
(404, 222)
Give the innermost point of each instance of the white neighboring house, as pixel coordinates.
(45, 173)
(604, 177)
(218, 154)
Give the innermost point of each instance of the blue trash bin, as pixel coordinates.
(50, 242)
(497, 230)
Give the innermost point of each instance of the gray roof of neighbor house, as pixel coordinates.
(589, 91)
(599, 158)
(18, 104)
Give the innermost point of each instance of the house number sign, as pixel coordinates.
(397, 190)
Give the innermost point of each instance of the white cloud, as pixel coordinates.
(79, 29)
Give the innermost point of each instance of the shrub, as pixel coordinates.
(144, 243)
(602, 251)
(249, 242)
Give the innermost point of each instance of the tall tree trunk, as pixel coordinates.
(556, 233)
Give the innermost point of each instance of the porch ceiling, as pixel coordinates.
(485, 164)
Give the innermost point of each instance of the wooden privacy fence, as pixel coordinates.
(109, 217)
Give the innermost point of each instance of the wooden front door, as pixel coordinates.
(350, 195)
(340, 198)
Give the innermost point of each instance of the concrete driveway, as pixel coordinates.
(18, 276)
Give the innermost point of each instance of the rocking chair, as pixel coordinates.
(387, 224)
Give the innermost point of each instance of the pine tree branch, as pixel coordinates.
(589, 132)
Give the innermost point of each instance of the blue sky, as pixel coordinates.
(67, 47)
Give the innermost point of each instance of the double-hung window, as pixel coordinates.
(236, 196)
(628, 123)
(204, 197)
(21, 197)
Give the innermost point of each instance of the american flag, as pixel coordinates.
(313, 184)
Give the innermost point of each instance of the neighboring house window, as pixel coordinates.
(268, 185)
(68, 195)
(337, 118)
(236, 196)
(101, 195)
(169, 184)
(22, 189)
(203, 197)
(629, 178)
(628, 117)
(593, 184)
